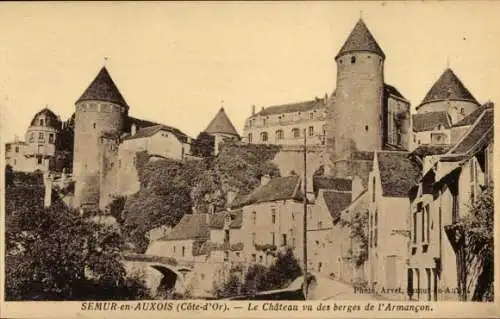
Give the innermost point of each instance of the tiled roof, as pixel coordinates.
(481, 132)
(152, 130)
(103, 89)
(448, 87)
(426, 150)
(52, 120)
(330, 183)
(221, 124)
(190, 227)
(139, 123)
(217, 220)
(423, 122)
(398, 173)
(336, 202)
(360, 39)
(393, 91)
(472, 117)
(279, 188)
(293, 107)
(362, 156)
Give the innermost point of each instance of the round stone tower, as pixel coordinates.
(100, 110)
(356, 115)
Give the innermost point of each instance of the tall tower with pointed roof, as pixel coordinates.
(355, 118)
(449, 94)
(100, 112)
(221, 128)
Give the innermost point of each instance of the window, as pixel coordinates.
(174, 249)
(428, 274)
(249, 137)
(311, 131)
(373, 189)
(263, 121)
(273, 238)
(226, 256)
(366, 128)
(51, 138)
(263, 136)
(41, 122)
(414, 141)
(253, 238)
(410, 283)
(283, 241)
(226, 235)
(17, 149)
(273, 215)
(93, 125)
(296, 132)
(293, 216)
(417, 273)
(202, 276)
(254, 257)
(320, 225)
(261, 259)
(353, 59)
(39, 160)
(40, 136)
(32, 137)
(183, 251)
(254, 218)
(119, 163)
(279, 134)
(311, 115)
(427, 224)
(7, 147)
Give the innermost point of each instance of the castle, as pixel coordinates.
(374, 151)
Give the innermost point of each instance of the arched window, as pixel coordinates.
(263, 136)
(279, 134)
(296, 132)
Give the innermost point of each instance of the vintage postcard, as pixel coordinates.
(248, 159)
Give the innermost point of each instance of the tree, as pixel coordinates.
(358, 230)
(57, 254)
(479, 243)
(163, 199)
(284, 270)
(204, 145)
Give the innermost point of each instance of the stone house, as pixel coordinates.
(437, 268)
(392, 176)
(38, 148)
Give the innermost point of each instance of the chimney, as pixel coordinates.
(265, 179)
(133, 129)
(253, 110)
(326, 99)
(230, 196)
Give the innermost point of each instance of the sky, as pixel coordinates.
(175, 62)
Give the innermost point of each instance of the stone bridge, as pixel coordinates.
(158, 272)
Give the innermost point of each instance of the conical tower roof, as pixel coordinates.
(221, 124)
(361, 39)
(103, 89)
(448, 87)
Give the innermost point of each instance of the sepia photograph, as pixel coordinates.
(244, 158)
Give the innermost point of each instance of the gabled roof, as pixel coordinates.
(103, 89)
(472, 117)
(190, 227)
(279, 188)
(51, 119)
(330, 183)
(478, 136)
(360, 39)
(152, 130)
(426, 150)
(391, 90)
(423, 122)
(398, 173)
(448, 87)
(221, 124)
(336, 202)
(217, 220)
(304, 106)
